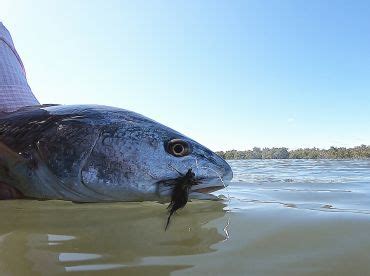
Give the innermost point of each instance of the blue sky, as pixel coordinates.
(230, 74)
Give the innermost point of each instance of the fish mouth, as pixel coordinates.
(206, 188)
(201, 190)
(212, 184)
(202, 186)
(204, 191)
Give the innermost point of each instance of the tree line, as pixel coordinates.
(360, 152)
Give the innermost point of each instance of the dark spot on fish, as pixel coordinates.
(180, 193)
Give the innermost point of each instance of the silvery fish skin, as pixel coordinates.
(91, 153)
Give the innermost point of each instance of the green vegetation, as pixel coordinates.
(360, 152)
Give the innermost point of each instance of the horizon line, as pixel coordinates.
(290, 149)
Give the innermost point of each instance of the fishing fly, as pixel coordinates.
(180, 193)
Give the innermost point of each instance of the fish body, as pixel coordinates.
(92, 153)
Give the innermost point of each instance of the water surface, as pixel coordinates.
(279, 217)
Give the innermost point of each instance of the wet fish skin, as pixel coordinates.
(91, 153)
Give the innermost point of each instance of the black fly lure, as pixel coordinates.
(180, 193)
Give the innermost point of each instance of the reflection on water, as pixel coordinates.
(284, 217)
(62, 236)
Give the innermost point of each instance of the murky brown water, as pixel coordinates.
(282, 218)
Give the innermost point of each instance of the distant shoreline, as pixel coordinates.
(359, 152)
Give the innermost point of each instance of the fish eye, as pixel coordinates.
(178, 148)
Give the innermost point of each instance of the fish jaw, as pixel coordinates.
(203, 190)
(205, 183)
(208, 187)
(212, 179)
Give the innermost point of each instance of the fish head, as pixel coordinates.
(182, 155)
(159, 155)
(144, 156)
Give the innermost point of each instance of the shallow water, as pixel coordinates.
(280, 217)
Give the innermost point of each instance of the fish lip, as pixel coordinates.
(216, 182)
(211, 186)
(203, 185)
